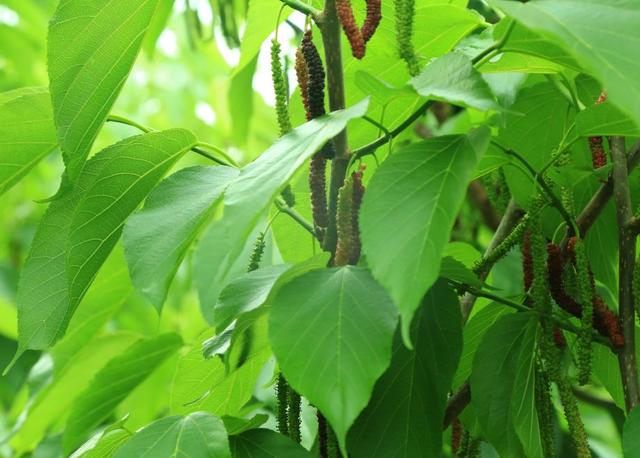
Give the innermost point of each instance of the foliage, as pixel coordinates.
(280, 228)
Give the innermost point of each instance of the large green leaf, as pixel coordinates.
(244, 294)
(502, 386)
(157, 237)
(409, 210)
(135, 167)
(92, 47)
(602, 37)
(605, 119)
(113, 383)
(474, 332)
(250, 195)
(453, 78)
(27, 133)
(534, 129)
(51, 404)
(199, 435)
(79, 230)
(631, 434)
(104, 298)
(348, 320)
(265, 443)
(405, 415)
(206, 384)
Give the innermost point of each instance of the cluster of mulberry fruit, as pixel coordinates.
(358, 37)
(349, 200)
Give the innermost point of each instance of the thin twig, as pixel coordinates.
(297, 217)
(304, 8)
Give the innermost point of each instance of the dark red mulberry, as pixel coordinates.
(315, 70)
(372, 20)
(317, 187)
(351, 29)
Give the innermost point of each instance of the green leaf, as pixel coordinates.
(199, 435)
(250, 195)
(27, 133)
(452, 269)
(265, 443)
(350, 321)
(262, 17)
(92, 47)
(235, 425)
(244, 294)
(240, 101)
(78, 230)
(523, 40)
(605, 119)
(113, 383)
(205, 384)
(409, 210)
(601, 36)
(104, 298)
(502, 383)
(534, 129)
(453, 78)
(405, 415)
(51, 404)
(106, 445)
(631, 434)
(135, 167)
(157, 237)
(473, 334)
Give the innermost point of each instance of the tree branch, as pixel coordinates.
(297, 217)
(600, 199)
(626, 254)
(330, 28)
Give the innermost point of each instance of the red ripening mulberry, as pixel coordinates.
(558, 337)
(456, 435)
(351, 29)
(302, 74)
(317, 186)
(344, 223)
(315, 69)
(372, 20)
(358, 194)
(596, 145)
(527, 260)
(604, 319)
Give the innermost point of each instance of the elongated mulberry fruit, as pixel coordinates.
(527, 260)
(372, 20)
(596, 144)
(282, 395)
(545, 410)
(351, 29)
(585, 295)
(315, 70)
(574, 420)
(358, 194)
(294, 415)
(256, 255)
(344, 245)
(302, 74)
(317, 187)
(280, 89)
(456, 435)
(405, 10)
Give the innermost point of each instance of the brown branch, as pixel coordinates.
(626, 260)
(590, 213)
(330, 28)
(456, 404)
